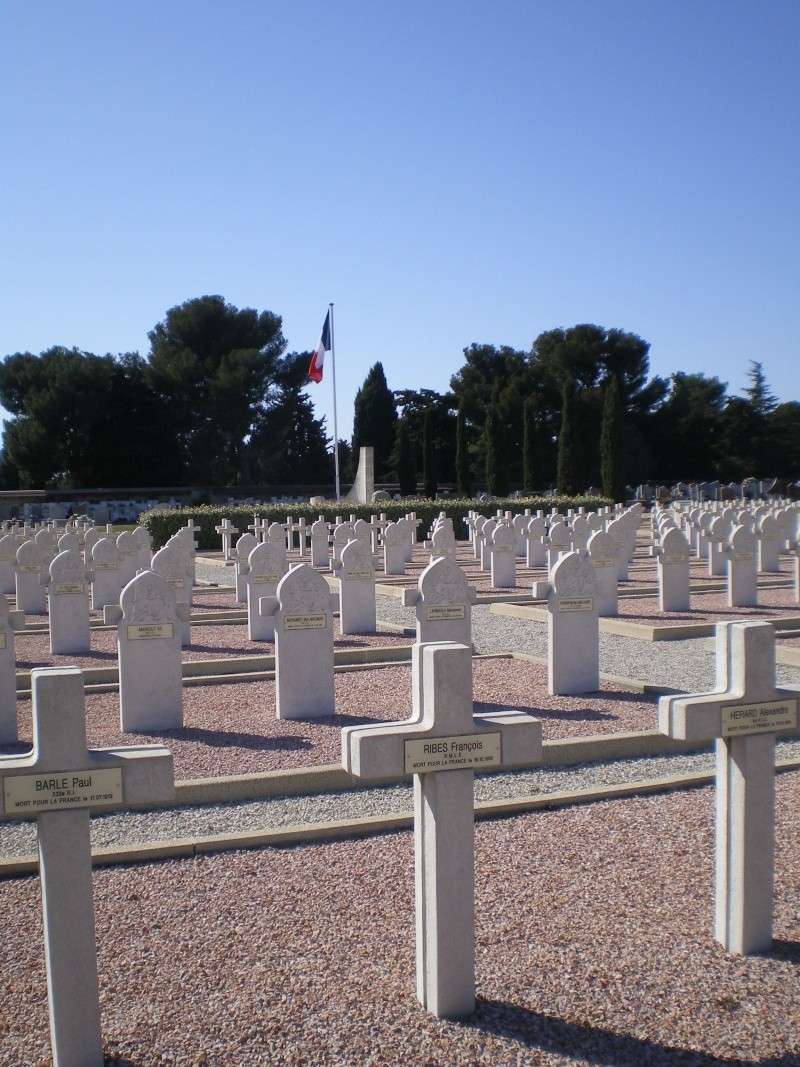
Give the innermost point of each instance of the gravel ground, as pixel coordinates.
(687, 665)
(270, 957)
(711, 607)
(128, 828)
(208, 642)
(232, 729)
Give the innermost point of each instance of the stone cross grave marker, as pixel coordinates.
(68, 596)
(573, 635)
(442, 745)
(148, 622)
(443, 601)
(57, 784)
(303, 612)
(743, 716)
(10, 621)
(227, 532)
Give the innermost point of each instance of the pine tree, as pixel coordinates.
(406, 466)
(568, 475)
(611, 467)
(529, 449)
(375, 418)
(758, 392)
(496, 470)
(463, 465)
(428, 457)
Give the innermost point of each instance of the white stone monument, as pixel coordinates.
(674, 568)
(740, 553)
(105, 568)
(68, 598)
(30, 569)
(356, 589)
(573, 636)
(443, 601)
(266, 566)
(10, 621)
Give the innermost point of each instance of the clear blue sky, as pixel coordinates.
(445, 172)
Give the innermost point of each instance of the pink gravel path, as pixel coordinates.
(208, 642)
(711, 607)
(232, 729)
(593, 946)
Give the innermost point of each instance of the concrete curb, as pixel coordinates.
(306, 833)
(636, 630)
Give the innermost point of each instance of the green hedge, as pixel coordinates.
(161, 523)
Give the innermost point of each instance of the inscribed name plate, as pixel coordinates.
(452, 753)
(68, 587)
(149, 631)
(305, 622)
(604, 563)
(585, 603)
(266, 578)
(28, 568)
(356, 575)
(442, 612)
(674, 559)
(28, 794)
(767, 717)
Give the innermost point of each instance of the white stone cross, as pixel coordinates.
(443, 744)
(743, 714)
(58, 783)
(258, 527)
(227, 531)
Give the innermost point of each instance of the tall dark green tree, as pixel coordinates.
(529, 446)
(611, 459)
(762, 400)
(496, 468)
(428, 456)
(569, 473)
(406, 464)
(375, 418)
(463, 462)
(214, 366)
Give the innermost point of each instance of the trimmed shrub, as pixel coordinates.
(161, 523)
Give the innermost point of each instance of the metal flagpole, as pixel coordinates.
(335, 426)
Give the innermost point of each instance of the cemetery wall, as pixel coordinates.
(162, 523)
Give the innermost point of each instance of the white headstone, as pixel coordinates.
(266, 566)
(105, 567)
(68, 598)
(573, 637)
(356, 589)
(443, 600)
(9, 622)
(30, 569)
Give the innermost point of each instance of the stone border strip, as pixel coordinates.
(306, 833)
(637, 630)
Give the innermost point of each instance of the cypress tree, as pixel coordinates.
(406, 467)
(568, 474)
(529, 456)
(611, 442)
(375, 418)
(496, 472)
(428, 459)
(463, 466)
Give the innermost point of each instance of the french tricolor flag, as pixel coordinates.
(323, 346)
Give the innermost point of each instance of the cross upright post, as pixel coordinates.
(227, 531)
(442, 745)
(58, 783)
(258, 527)
(743, 714)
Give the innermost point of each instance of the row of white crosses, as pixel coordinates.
(442, 744)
